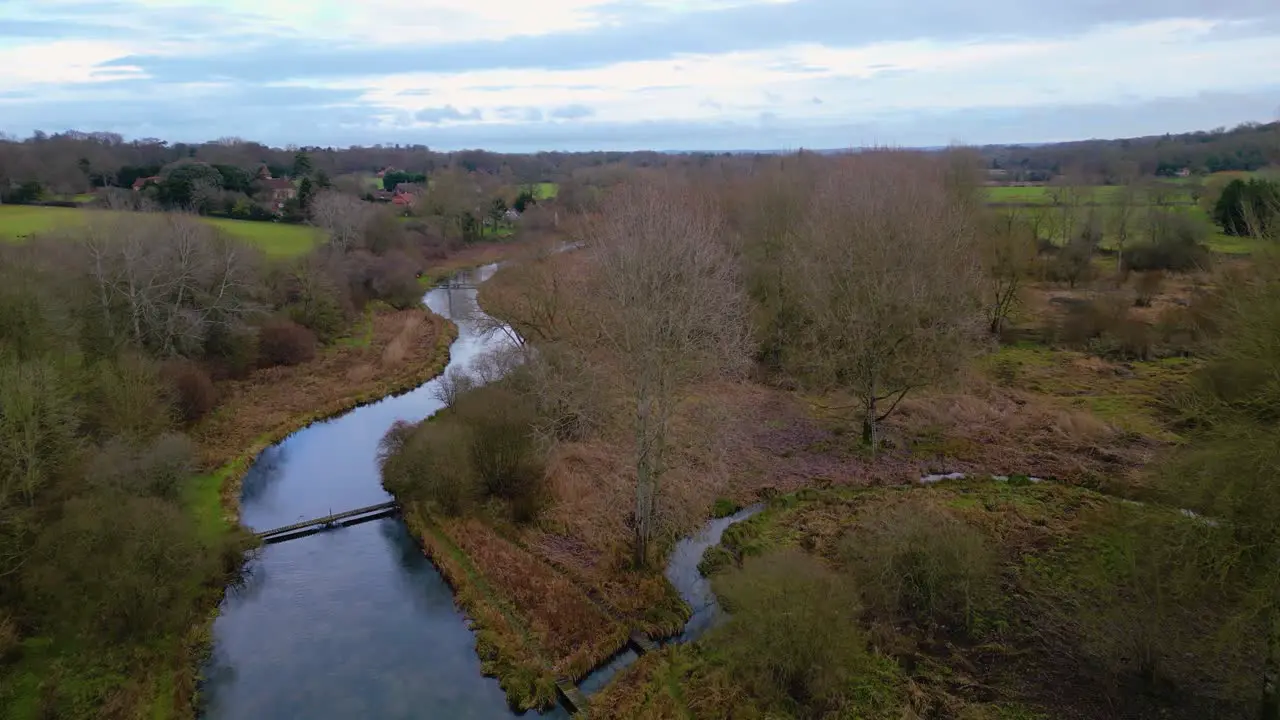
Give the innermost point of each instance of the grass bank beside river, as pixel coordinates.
(392, 351)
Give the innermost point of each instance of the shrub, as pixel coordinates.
(504, 453)
(113, 567)
(284, 342)
(793, 639)
(1072, 264)
(394, 280)
(194, 394)
(1105, 326)
(430, 463)
(484, 448)
(917, 561)
(129, 397)
(1148, 287)
(156, 469)
(232, 351)
(1143, 595)
(1177, 245)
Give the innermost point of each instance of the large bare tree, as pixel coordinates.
(1008, 253)
(890, 276)
(667, 310)
(165, 282)
(342, 216)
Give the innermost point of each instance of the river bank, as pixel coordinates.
(400, 351)
(355, 622)
(389, 353)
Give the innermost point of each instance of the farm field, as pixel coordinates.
(274, 239)
(1039, 198)
(546, 190)
(1044, 194)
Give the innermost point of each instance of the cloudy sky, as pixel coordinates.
(659, 74)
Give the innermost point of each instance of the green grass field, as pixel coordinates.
(1039, 195)
(1044, 194)
(546, 190)
(274, 239)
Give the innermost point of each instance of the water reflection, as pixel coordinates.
(352, 622)
(266, 470)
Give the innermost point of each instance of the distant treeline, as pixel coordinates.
(1248, 147)
(75, 162)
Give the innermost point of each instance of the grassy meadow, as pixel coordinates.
(1038, 198)
(274, 239)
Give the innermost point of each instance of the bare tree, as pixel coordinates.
(535, 299)
(1068, 195)
(1008, 253)
(342, 216)
(1124, 217)
(168, 279)
(452, 385)
(890, 279)
(668, 310)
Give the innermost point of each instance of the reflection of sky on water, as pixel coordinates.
(353, 622)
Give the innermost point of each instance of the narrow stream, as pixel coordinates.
(356, 622)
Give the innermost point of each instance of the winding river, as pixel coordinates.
(356, 622)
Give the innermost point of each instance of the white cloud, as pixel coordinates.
(801, 84)
(72, 62)
(1161, 59)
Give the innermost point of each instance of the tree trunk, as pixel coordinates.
(644, 477)
(869, 424)
(1270, 707)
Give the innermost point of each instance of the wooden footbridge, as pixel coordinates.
(328, 522)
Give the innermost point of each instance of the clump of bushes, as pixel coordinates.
(194, 394)
(232, 352)
(793, 639)
(391, 278)
(1138, 598)
(430, 463)
(155, 470)
(1177, 244)
(916, 561)
(284, 342)
(128, 397)
(483, 448)
(1072, 264)
(1105, 326)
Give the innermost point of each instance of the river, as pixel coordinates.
(357, 623)
(354, 622)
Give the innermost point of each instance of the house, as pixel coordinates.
(511, 215)
(278, 191)
(381, 196)
(1184, 172)
(403, 199)
(275, 191)
(145, 181)
(406, 195)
